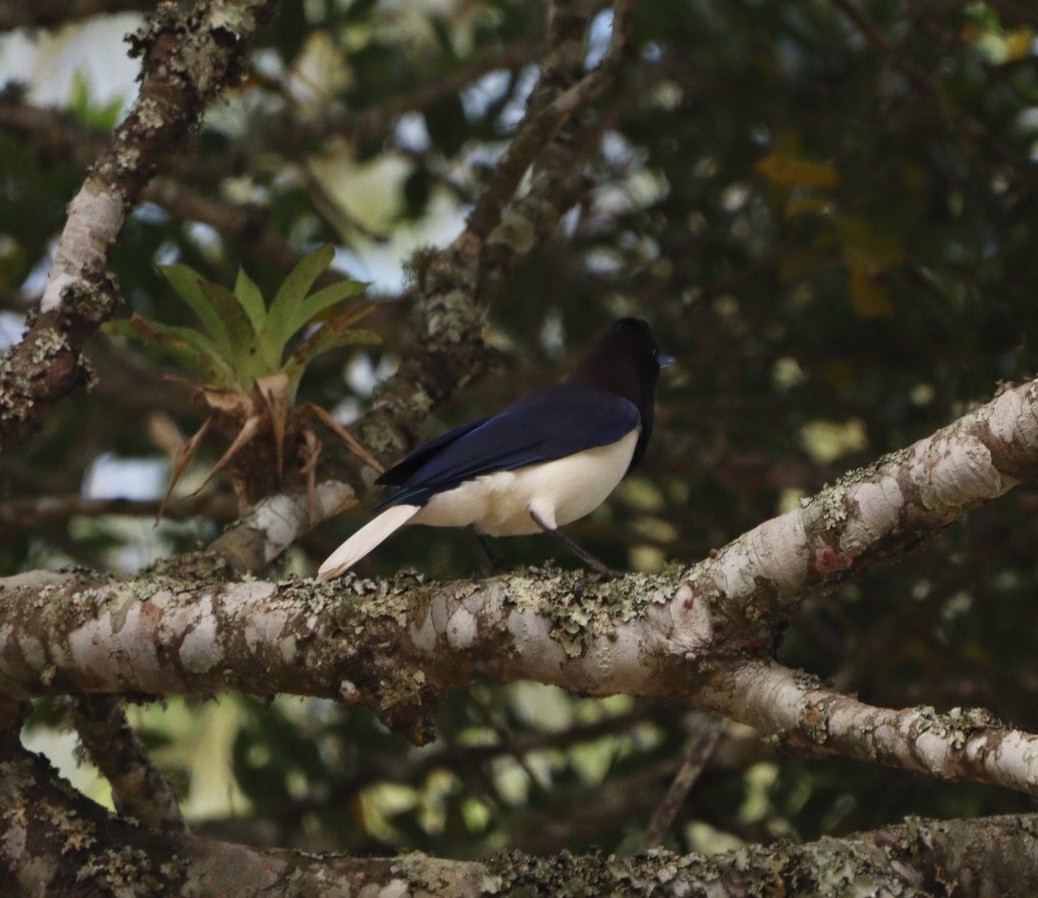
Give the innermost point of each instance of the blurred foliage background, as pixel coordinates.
(827, 210)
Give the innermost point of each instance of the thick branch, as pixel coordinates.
(871, 514)
(966, 743)
(54, 841)
(398, 646)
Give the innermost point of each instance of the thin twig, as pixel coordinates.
(542, 125)
(706, 729)
(37, 511)
(915, 76)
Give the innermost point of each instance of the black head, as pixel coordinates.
(626, 361)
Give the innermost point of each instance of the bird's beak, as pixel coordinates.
(665, 361)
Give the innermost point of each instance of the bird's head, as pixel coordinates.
(626, 361)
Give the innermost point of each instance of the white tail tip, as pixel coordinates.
(365, 539)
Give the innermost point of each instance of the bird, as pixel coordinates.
(542, 462)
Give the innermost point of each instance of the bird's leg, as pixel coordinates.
(495, 561)
(601, 569)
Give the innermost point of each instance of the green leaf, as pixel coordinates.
(79, 97)
(285, 309)
(188, 286)
(333, 334)
(186, 346)
(251, 299)
(324, 299)
(246, 355)
(91, 114)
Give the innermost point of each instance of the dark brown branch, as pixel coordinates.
(706, 731)
(55, 13)
(56, 137)
(920, 82)
(138, 787)
(915, 76)
(243, 224)
(35, 512)
(372, 125)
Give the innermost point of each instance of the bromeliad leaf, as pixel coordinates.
(284, 310)
(244, 356)
(324, 299)
(184, 345)
(188, 286)
(251, 299)
(332, 334)
(238, 326)
(247, 341)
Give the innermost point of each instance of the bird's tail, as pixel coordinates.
(365, 539)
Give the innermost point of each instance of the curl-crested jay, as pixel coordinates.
(544, 461)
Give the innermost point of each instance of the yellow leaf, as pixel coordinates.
(826, 441)
(869, 299)
(1018, 44)
(792, 170)
(866, 249)
(808, 204)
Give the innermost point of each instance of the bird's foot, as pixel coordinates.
(493, 568)
(600, 570)
(600, 573)
(494, 563)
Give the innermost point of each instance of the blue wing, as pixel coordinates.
(545, 425)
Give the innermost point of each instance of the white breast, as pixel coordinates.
(559, 491)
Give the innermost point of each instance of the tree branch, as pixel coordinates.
(54, 841)
(30, 513)
(544, 123)
(966, 743)
(400, 646)
(188, 61)
(138, 787)
(673, 635)
(55, 13)
(706, 731)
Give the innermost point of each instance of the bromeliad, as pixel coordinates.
(243, 368)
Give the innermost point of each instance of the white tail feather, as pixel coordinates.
(365, 539)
